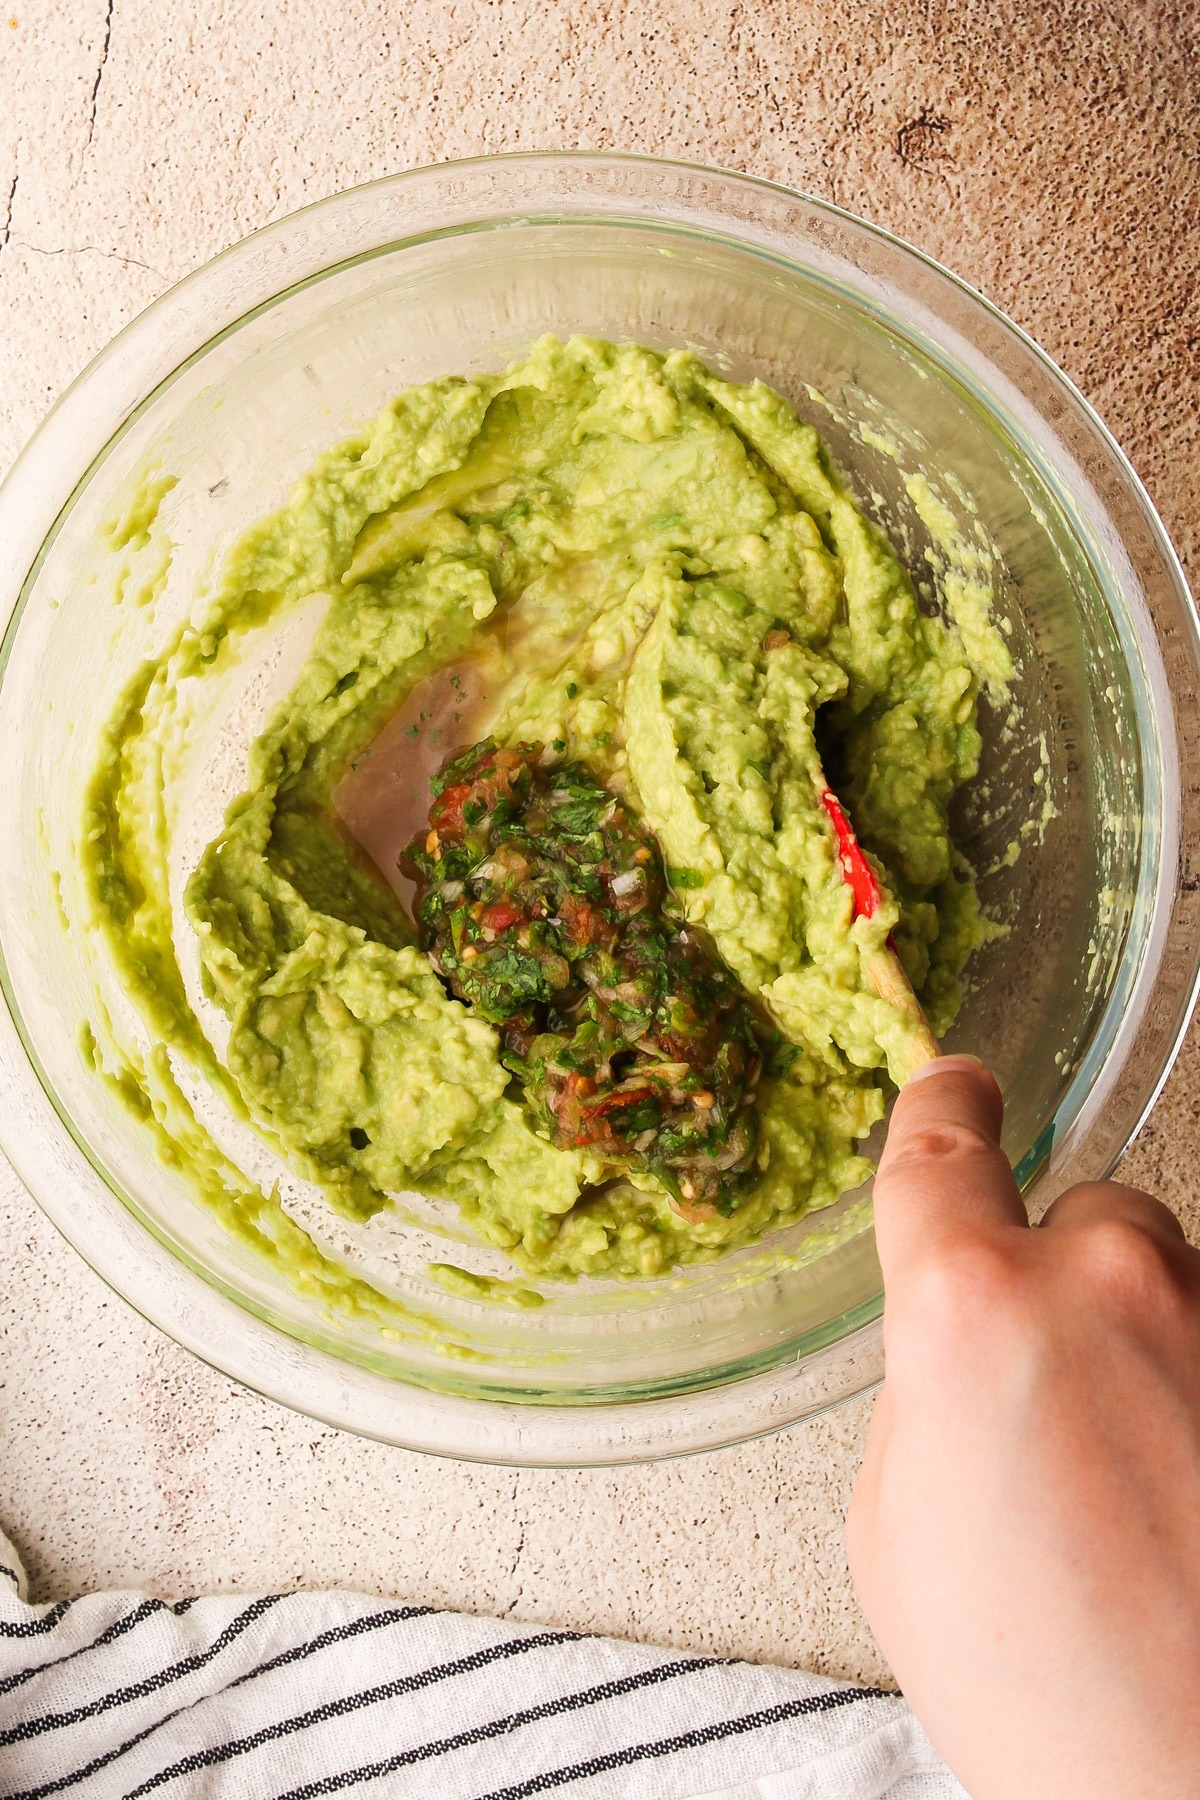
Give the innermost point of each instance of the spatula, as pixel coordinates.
(883, 967)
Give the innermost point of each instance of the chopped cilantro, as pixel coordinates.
(543, 903)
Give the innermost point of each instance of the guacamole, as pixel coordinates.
(655, 575)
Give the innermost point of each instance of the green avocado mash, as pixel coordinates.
(663, 580)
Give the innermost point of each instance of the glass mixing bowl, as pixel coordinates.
(232, 383)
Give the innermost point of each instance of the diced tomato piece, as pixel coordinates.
(600, 1120)
(500, 915)
(613, 1102)
(445, 815)
(585, 922)
(493, 780)
(489, 781)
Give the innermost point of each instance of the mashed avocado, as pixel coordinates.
(664, 582)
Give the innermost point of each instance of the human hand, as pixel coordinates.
(1025, 1534)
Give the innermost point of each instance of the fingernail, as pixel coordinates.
(947, 1065)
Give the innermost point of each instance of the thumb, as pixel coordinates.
(942, 1170)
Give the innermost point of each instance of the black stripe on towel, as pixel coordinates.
(687, 1740)
(144, 1610)
(35, 1627)
(138, 1690)
(479, 1734)
(11, 1573)
(335, 1709)
(395, 1615)
(349, 1704)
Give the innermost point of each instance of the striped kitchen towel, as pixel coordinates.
(301, 1695)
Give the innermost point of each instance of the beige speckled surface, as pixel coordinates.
(1054, 160)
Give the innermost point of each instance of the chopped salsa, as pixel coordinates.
(544, 904)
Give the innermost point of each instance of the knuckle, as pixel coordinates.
(972, 1278)
(1127, 1264)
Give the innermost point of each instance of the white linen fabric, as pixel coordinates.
(292, 1696)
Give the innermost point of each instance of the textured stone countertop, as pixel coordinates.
(1048, 154)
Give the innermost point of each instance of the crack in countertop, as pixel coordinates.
(108, 19)
(131, 262)
(6, 228)
(518, 1552)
